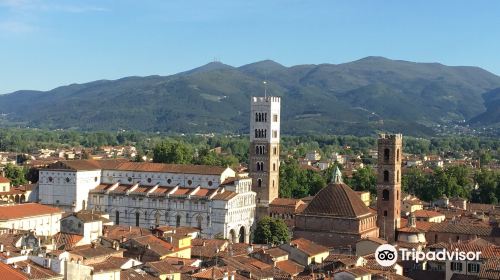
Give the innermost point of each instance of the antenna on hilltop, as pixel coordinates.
(265, 88)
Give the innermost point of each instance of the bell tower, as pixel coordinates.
(390, 151)
(264, 150)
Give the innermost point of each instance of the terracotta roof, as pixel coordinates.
(427, 214)
(487, 249)
(135, 274)
(125, 165)
(9, 273)
(462, 228)
(308, 247)
(17, 211)
(276, 252)
(4, 180)
(213, 273)
(337, 200)
(90, 216)
(226, 195)
(358, 272)
(171, 168)
(290, 267)
(109, 264)
(66, 241)
(90, 252)
(285, 202)
(116, 232)
(490, 269)
(37, 271)
(162, 267)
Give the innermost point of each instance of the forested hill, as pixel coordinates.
(358, 97)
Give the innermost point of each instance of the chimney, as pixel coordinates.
(129, 228)
(28, 269)
(1, 248)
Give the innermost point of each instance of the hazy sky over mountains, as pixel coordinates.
(45, 44)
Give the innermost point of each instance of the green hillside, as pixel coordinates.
(358, 97)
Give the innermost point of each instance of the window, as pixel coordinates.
(456, 266)
(397, 177)
(129, 179)
(67, 179)
(385, 213)
(117, 217)
(210, 183)
(397, 155)
(157, 219)
(137, 217)
(386, 176)
(259, 182)
(275, 151)
(274, 166)
(149, 180)
(178, 221)
(275, 118)
(169, 181)
(386, 154)
(190, 182)
(385, 195)
(473, 267)
(51, 179)
(275, 134)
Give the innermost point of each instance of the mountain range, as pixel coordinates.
(359, 98)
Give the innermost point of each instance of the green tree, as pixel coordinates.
(173, 152)
(364, 179)
(16, 174)
(271, 231)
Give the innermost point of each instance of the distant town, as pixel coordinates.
(261, 206)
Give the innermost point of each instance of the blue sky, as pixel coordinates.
(45, 44)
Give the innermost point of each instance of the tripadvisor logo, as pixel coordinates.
(387, 255)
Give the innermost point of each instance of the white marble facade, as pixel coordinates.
(217, 200)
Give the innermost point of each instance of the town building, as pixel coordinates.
(217, 200)
(43, 219)
(264, 158)
(336, 217)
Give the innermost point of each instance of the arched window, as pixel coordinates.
(386, 154)
(386, 176)
(117, 217)
(199, 219)
(265, 133)
(256, 117)
(137, 219)
(256, 135)
(385, 213)
(259, 182)
(275, 151)
(397, 177)
(274, 166)
(397, 155)
(265, 117)
(385, 195)
(256, 150)
(157, 219)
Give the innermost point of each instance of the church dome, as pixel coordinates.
(337, 199)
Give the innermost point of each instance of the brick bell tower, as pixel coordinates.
(390, 150)
(264, 150)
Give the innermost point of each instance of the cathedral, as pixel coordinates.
(337, 217)
(220, 202)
